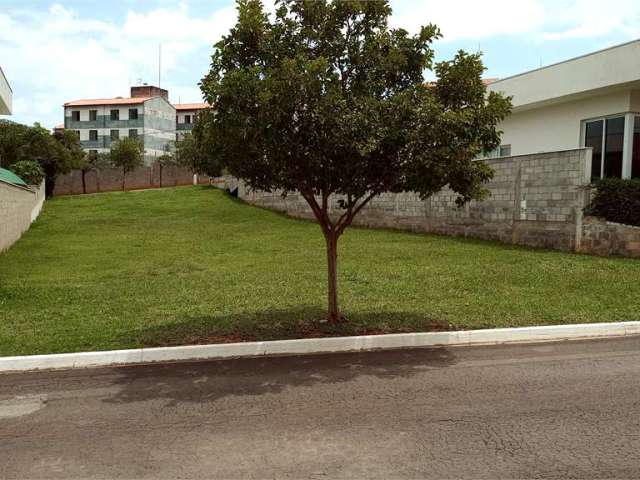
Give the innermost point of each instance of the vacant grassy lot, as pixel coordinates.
(190, 265)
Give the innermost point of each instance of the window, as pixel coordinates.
(635, 155)
(93, 154)
(75, 115)
(593, 138)
(505, 150)
(77, 132)
(133, 114)
(115, 114)
(177, 119)
(93, 135)
(115, 134)
(133, 133)
(187, 119)
(606, 137)
(613, 147)
(93, 115)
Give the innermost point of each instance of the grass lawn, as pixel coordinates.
(191, 265)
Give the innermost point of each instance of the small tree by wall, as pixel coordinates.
(193, 151)
(126, 154)
(327, 100)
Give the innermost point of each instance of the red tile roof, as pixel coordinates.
(108, 101)
(191, 106)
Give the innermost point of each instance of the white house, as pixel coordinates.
(5, 95)
(592, 100)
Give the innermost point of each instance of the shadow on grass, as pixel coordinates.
(299, 322)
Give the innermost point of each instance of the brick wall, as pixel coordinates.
(110, 179)
(536, 200)
(18, 208)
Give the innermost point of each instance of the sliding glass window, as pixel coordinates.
(606, 137)
(593, 138)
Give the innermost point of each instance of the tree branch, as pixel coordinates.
(348, 217)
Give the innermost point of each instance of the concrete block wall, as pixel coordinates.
(535, 200)
(19, 207)
(110, 179)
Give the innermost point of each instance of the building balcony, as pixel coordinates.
(103, 121)
(185, 127)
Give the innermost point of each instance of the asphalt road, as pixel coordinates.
(565, 410)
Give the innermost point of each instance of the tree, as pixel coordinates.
(194, 152)
(28, 170)
(12, 137)
(165, 160)
(78, 158)
(126, 154)
(328, 101)
(52, 155)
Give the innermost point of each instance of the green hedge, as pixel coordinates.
(616, 200)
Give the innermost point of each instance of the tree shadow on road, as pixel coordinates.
(208, 381)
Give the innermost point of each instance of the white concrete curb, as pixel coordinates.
(319, 345)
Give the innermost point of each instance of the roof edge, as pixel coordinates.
(527, 72)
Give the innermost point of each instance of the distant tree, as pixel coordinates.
(12, 137)
(56, 154)
(92, 162)
(165, 160)
(52, 155)
(194, 151)
(126, 154)
(328, 101)
(28, 170)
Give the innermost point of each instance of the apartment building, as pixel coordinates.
(186, 115)
(146, 115)
(5, 95)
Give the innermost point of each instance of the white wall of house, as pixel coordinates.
(6, 95)
(559, 126)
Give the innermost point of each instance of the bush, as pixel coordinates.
(28, 170)
(616, 200)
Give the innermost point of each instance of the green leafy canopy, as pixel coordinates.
(327, 99)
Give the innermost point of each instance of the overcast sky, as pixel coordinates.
(56, 51)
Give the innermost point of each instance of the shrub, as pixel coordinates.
(28, 170)
(616, 200)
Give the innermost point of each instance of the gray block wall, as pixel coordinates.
(536, 200)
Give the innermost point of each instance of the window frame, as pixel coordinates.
(134, 131)
(135, 112)
(115, 137)
(74, 114)
(93, 133)
(93, 115)
(629, 121)
(115, 117)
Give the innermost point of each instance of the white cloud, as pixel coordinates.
(469, 19)
(56, 55)
(592, 18)
(542, 19)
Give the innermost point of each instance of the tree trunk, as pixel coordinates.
(333, 315)
(124, 174)
(160, 175)
(84, 181)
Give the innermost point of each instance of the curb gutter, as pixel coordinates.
(319, 345)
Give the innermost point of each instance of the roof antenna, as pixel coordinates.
(159, 62)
